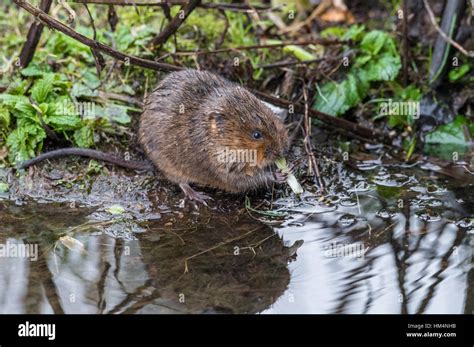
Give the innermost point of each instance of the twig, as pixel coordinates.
(55, 24)
(334, 122)
(221, 39)
(98, 58)
(120, 97)
(161, 3)
(175, 23)
(405, 43)
(34, 35)
(323, 42)
(291, 63)
(312, 164)
(444, 35)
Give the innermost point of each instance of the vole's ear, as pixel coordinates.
(216, 120)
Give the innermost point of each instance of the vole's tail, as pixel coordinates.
(89, 153)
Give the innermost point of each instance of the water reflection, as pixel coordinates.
(229, 263)
(394, 244)
(418, 258)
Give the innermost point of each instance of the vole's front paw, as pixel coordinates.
(280, 177)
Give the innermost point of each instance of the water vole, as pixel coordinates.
(200, 128)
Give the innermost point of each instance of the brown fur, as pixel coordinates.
(191, 115)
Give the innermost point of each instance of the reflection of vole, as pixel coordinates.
(200, 128)
(197, 127)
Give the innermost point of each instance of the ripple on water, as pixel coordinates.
(346, 220)
(466, 223)
(349, 201)
(385, 214)
(429, 216)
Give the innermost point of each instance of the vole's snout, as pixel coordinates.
(271, 154)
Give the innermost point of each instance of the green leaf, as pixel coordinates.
(84, 137)
(115, 209)
(383, 68)
(81, 90)
(4, 117)
(25, 109)
(23, 141)
(42, 88)
(117, 113)
(374, 41)
(378, 60)
(337, 98)
(33, 71)
(336, 32)
(458, 73)
(3, 187)
(11, 100)
(355, 33)
(410, 93)
(451, 133)
(64, 122)
(298, 52)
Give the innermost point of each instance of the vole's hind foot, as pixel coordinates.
(191, 194)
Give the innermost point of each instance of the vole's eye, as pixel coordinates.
(257, 135)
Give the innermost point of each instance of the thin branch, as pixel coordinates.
(290, 63)
(55, 24)
(161, 3)
(405, 43)
(444, 35)
(323, 42)
(221, 39)
(312, 163)
(337, 123)
(175, 23)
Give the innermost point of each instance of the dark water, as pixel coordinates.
(384, 242)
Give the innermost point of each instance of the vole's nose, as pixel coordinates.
(272, 153)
